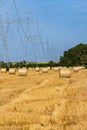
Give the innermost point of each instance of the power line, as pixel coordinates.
(25, 34)
(31, 41)
(20, 36)
(7, 28)
(4, 41)
(17, 13)
(40, 40)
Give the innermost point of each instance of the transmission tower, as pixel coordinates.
(21, 31)
(4, 33)
(4, 42)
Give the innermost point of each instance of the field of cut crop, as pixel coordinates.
(43, 101)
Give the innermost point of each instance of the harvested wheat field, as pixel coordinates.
(43, 101)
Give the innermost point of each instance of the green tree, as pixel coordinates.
(75, 56)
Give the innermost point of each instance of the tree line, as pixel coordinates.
(28, 64)
(75, 56)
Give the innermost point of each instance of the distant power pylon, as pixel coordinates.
(3, 34)
(4, 42)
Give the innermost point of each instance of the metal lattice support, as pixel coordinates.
(4, 42)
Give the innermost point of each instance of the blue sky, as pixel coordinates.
(62, 23)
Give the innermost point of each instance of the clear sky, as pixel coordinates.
(63, 24)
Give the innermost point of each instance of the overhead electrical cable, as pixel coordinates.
(40, 40)
(21, 38)
(31, 41)
(25, 34)
(17, 13)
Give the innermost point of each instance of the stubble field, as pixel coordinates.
(43, 101)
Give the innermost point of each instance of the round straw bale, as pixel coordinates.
(41, 68)
(64, 67)
(76, 69)
(80, 67)
(71, 69)
(30, 69)
(65, 72)
(22, 72)
(24, 67)
(48, 68)
(37, 69)
(56, 68)
(45, 70)
(3, 70)
(12, 71)
(83, 67)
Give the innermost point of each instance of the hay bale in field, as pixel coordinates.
(30, 69)
(48, 68)
(12, 71)
(22, 72)
(56, 68)
(70, 67)
(81, 67)
(24, 67)
(3, 70)
(45, 70)
(37, 69)
(41, 68)
(76, 69)
(65, 73)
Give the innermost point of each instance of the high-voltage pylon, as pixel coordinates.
(4, 32)
(4, 42)
(25, 33)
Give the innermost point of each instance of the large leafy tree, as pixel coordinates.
(75, 56)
